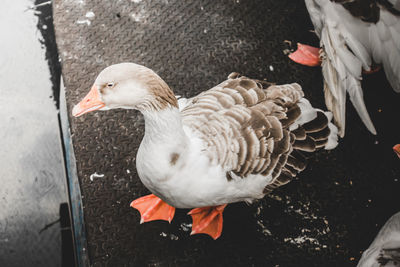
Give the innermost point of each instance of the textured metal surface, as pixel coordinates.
(325, 219)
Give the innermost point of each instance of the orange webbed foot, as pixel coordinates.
(207, 220)
(306, 55)
(152, 208)
(396, 150)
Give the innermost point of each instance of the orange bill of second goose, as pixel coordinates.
(234, 142)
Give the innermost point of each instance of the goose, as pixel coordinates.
(354, 35)
(385, 249)
(234, 142)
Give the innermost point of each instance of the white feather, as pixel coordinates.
(351, 44)
(308, 113)
(387, 238)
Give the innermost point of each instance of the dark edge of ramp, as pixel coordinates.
(75, 203)
(324, 219)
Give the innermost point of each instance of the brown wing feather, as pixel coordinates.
(245, 124)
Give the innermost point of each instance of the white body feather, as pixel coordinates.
(194, 181)
(387, 238)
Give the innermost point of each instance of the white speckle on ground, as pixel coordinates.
(136, 17)
(205, 31)
(263, 228)
(307, 236)
(173, 237)
(278, 198)
(271, 68)
(44, 27)
(163, 234)
(286, 51)
(83, 21)
(89, 15)
(301, 240)
(95, 175)
(185, 227)
(128, 171)
(202, 8)
(136, 1)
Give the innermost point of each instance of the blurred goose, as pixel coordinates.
(234, 142)
(385, 250)
(354, 35)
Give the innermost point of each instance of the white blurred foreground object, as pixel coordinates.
(385, 250)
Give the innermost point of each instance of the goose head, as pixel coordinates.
(128, 86)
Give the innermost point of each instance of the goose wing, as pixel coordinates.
(354, 35)
(251, 128)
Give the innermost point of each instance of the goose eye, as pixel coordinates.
(110, 85)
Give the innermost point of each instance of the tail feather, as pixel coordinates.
(313, 128)
(311, 131)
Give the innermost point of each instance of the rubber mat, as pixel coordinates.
(326, 218)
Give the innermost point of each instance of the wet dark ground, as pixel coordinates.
(325, 218)
(34, 214)
(45, 25)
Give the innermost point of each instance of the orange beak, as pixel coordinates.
(396, 149)
(89, 103)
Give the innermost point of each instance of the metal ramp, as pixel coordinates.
(323, 219)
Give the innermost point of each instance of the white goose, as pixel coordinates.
(354, 35)
(385, 250)
(234, 142)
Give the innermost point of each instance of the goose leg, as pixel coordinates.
(152, 208)
(207, 220)
(306, 55)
